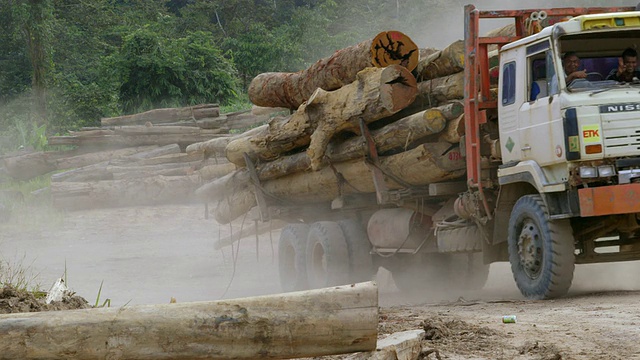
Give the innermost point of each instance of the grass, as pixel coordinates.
(20, 276)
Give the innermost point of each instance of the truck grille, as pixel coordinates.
(621, 134)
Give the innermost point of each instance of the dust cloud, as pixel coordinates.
(442, 27)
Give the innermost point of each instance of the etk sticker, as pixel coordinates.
(591, 134)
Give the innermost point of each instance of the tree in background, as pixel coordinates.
(155, 71)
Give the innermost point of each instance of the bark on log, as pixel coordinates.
(376, 93)
(234, 205)
(28, 166)
(443, 63)
(224, 186)
(217, 146)
(115, 141)
(290, 90)
(427, 163)
(117, 193)
(158, 116)
(390, 137)
(444, 89)
(139, 174)
(335, 320)
(210, 172)
(162, 130)
(453, 131)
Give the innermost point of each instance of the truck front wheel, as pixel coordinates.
(541, 252)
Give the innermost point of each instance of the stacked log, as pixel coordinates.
(123, 163)
(290, 90)
(318, 153)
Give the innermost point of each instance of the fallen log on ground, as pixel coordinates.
(290, 90)
(153, 190)
(335, 320)
(375, 94)
(115, 141)
(24, 167)
(158, 116)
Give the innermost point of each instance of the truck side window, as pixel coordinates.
(509, 83)
(539, 84)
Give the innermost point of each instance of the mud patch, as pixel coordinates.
(20, 301)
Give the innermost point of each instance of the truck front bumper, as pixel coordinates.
(609, 200)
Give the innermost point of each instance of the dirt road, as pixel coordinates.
(148, 255)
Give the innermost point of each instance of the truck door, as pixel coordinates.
(539, 121)
(509, 102)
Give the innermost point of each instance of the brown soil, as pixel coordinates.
(150, 254)
(14, 300)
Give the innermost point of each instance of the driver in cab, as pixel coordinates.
(570, 64)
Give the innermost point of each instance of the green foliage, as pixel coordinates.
(156, 71)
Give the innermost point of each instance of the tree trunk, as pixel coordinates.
(290, 90)
(427, 163)
(210, 172)
(158, 116)
(337, 320)
(443, 63)
(375, 94)
(116, 193)
(390, 137)
(234, 205)
(118, 141)
(453, 131)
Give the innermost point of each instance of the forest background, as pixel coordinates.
(64, 64)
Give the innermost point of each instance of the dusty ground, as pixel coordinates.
(147, 255)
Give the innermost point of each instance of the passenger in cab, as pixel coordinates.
(626, 71)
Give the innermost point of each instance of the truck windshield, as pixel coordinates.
(599, 52)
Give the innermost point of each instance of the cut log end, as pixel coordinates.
(398, 88)
(394, 48)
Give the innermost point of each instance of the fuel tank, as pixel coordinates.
(398, 228)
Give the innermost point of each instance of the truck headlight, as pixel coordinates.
(606, 170)
(588, 172)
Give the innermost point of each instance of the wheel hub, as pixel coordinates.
(530, 249)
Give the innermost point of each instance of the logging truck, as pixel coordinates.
(545, 176)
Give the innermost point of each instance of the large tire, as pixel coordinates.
(327, 255)
(541, 252)
(292, 257)
(359, 248)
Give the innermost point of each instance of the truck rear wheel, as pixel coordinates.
(359, 248)
(292, 257)
(327, 255)
(541, 252)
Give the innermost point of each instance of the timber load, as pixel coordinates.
(290, 90)
(404, 126)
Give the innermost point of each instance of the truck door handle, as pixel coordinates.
(526, 148)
